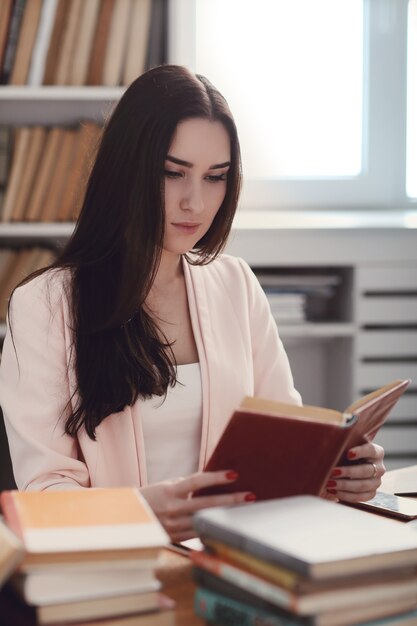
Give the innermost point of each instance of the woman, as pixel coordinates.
(125, 358)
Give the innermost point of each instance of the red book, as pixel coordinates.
(284, 450)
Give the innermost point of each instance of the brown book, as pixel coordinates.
(19, 160)
(6, 7)
(7, 260)
(137, 44)
(116, 45)
(281, 450)
(83, 45)
(34, 153)
(62, 170)
(101, 35)
(74, 187)
(55, 43)
(18, 271)
(26, 42)
(68, 42)
(45, 174)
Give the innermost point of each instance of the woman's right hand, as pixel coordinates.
(172, 501)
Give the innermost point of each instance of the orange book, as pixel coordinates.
(101, 35)
(116, 44)
(281, 450)
(68, 43)
(34, 152)
(83, 525)
(137, 43)
(74, 187)
(84, 41)
(26, 41)
(50, 157)
(51, 205)
(55, 43)
(19, 161)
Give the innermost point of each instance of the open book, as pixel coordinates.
(283, 450)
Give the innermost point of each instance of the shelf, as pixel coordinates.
(53, 105)
(35, 232)
(316, 330)
(59, 93)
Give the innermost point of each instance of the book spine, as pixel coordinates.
(11, 46)
(222, 610)
(245, 580)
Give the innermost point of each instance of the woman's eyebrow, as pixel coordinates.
(216, 166)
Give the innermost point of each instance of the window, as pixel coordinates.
(412, 100)
(319, 93)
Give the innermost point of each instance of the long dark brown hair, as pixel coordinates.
(114, 252)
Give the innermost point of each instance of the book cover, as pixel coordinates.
(98, 51)
(225, 591)
(11, 552)
(36, 143)
(83, 44)
(5, 16)
(54, 194)
(12, 40)
(45, 173)
(319, 599)
(281, 450)
(26, 42)
(18, 165)
(66, 47)
(55, 42)
(224, 610)
(317, 538)
(42, 41)
(71, 198)
(137, 41)
(90, 524)
(116, 44)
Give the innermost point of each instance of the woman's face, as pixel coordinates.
(196, 169)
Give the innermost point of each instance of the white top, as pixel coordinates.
(172, 427)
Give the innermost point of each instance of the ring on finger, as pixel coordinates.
(375, 470)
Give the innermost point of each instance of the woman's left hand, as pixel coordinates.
(359, 482)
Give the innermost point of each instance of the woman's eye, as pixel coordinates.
(218, 178)
(172, 174)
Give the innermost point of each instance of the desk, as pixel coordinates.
(175, 574)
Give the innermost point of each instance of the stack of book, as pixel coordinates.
(48, 170)
(300, 297)
(88, 555)
(17, 264)
(304, 560)
(74, 42)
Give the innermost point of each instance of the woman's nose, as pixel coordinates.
(193, 197)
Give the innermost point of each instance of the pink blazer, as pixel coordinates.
(240, 354)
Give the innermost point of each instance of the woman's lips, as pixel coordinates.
(189, 228)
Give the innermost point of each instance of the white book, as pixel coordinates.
(43, 36)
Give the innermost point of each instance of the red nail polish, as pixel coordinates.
(331, 483)
(332, 490)
(351, 454)
(232, 475)
(250, 497)
(336, 472)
